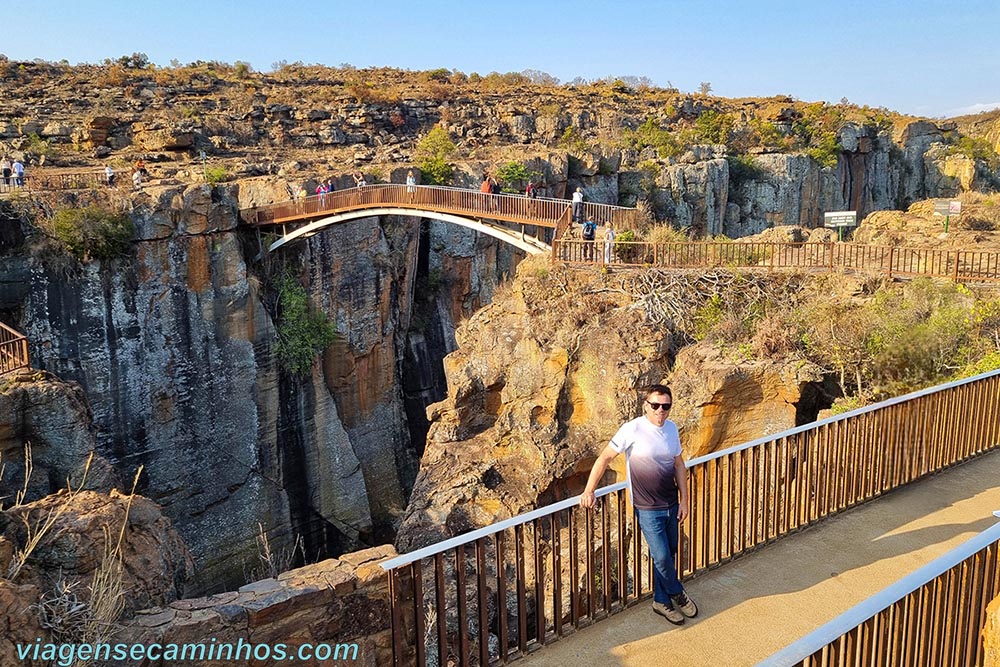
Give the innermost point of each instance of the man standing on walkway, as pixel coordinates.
(657, 482)
(578, 205)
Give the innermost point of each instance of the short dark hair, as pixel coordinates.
(659, 389)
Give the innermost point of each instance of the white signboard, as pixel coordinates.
(840, 219)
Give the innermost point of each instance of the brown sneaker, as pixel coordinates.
(668, 612)
(684, 605)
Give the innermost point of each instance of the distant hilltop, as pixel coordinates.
(698, 161)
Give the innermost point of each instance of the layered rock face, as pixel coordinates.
(172, 350)
(545, 375)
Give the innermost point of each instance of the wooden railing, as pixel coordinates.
(13, 350)
(560, 567)
(57, 179)
(541, 212)
(931, 617)
(959, 265)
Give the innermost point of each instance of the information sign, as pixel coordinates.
(840, 219)
(947, 207)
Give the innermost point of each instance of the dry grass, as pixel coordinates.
(39, 529)
(273, 562)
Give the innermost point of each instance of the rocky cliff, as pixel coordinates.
(545, 374)
(169, 351)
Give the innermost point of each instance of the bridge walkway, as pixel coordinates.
(754, 606)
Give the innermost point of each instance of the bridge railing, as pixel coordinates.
(13, 350)
(498, 592)
(959, 265)
(543, 212)
(61, 179)
(934, 616)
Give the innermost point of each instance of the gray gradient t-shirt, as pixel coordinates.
(649, 461)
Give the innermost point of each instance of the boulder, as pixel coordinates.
(155, 137)
(157, 564)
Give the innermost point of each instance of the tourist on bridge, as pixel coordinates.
(321, 191)
(411, 182)
(578, 205)
(657, 483)
(359, 179)
(5, 170)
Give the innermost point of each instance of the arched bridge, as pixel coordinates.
(521, 221)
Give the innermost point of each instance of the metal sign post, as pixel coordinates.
(947, 208)
(840, 219)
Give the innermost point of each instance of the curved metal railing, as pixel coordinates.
(560, 567)
(541, 212)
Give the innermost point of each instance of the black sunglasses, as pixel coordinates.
(660, 406)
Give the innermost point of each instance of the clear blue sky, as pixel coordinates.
(922, 57)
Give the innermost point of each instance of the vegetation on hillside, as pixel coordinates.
(875, 338)
(91, 232)
(302, 332)
(231, 100)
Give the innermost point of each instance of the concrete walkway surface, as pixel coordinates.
(760, 603)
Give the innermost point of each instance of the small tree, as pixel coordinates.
(92, 232)
(704, 87)
(433, 154)
(513, 176)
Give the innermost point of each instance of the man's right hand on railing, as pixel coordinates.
(588, 499)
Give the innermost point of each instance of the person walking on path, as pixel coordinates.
(587, 233)
(658, 486)
(578, 205)
(5, 169)
(109, 175)
(18, 168)
(137, 180)
(609, 244)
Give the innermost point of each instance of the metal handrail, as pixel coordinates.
(13, 350)
(882, 621)
(965, 265)
(741, 498)
(62, 179)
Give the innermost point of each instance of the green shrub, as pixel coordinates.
(827, 150)
(433, 154)
(650, 134)
(92, 232)
(38, 146)
(514, 176)
(572, 141)
(216, 175)
(714, 127)
(301, 332)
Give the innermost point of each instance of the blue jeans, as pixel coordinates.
(659, 527)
